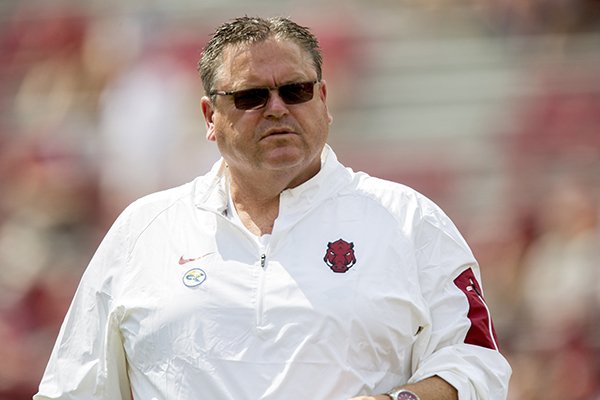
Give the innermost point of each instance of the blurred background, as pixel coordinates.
(491, 108)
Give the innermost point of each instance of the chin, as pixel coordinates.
(285, 156)
(283, 163)
(288, 156)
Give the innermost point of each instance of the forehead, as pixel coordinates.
(270, 62)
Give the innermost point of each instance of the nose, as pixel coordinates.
(275, 107)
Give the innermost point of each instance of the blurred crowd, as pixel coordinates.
(98, 108)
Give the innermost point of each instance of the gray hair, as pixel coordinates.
(254, 30)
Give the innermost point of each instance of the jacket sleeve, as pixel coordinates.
(460, 345)
(88, 360)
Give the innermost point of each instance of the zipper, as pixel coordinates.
(263, 260)
(260, 294)
(262, 250)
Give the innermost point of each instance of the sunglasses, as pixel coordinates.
(256, 98)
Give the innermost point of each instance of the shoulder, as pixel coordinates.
(412, 212)
(396, 197)
(153, 204)
(157, 202)
(141, 213)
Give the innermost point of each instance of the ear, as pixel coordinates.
(209, 114)
(323, 96)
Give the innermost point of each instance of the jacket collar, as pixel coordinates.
(211, 190)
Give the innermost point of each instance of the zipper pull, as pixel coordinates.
(263, 260)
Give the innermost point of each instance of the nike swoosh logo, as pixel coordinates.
(183, 261)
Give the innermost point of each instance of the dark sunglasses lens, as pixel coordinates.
(251, 98)
(296, 93)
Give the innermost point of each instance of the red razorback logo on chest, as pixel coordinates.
(340, 255)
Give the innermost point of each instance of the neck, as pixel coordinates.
(256, 204)
(256, 197)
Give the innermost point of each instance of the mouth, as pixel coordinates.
(277, 132)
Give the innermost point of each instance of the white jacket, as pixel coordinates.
(364, 285)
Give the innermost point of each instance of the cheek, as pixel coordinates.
(225, 138)
(320, 125)
(231, 136)
(236, 123)
(224, 129)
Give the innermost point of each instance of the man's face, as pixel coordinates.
(277, 136)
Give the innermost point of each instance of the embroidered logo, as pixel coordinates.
(194, 277)
(340, 255)
(183, 261)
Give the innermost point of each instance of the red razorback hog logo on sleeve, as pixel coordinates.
(340, 255)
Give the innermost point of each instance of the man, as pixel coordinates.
(280, 273)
